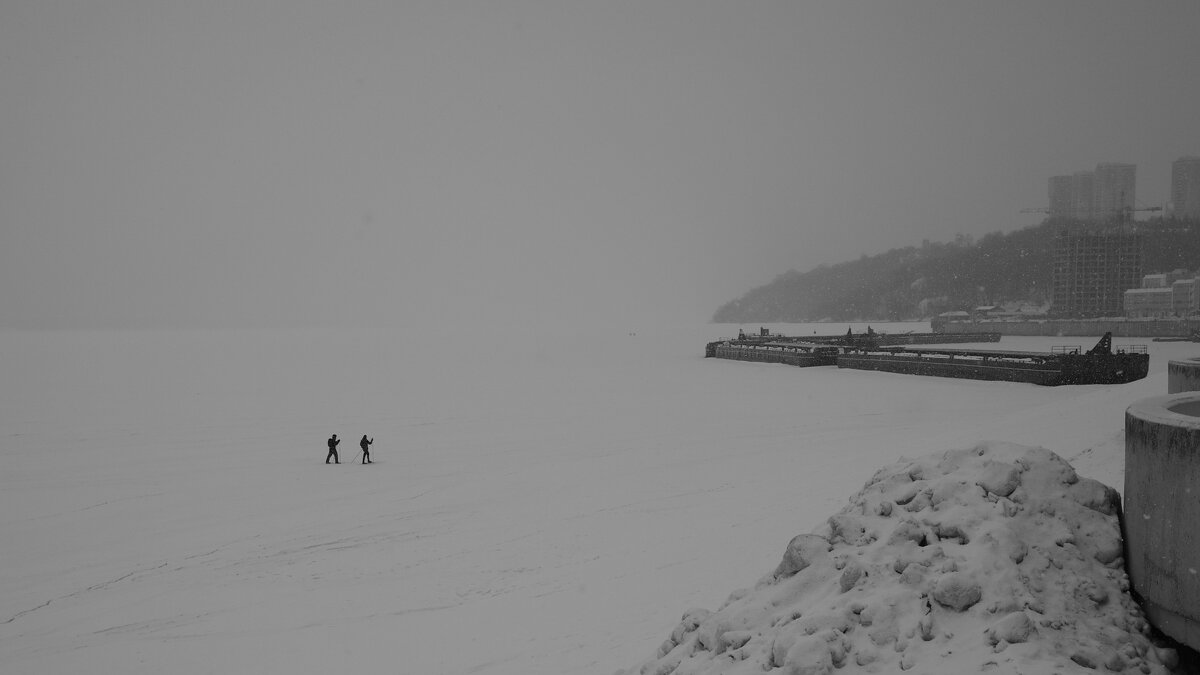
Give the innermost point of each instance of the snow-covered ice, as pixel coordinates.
(545, 500)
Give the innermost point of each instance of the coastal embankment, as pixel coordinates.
(1119, 327)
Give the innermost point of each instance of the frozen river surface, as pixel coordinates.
(541, 502)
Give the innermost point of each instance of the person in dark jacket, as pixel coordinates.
(366, 452)
(332, 443)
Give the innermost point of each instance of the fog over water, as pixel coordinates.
(279, 163)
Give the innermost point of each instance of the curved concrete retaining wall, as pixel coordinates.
(1162, 511)
(1183, 376)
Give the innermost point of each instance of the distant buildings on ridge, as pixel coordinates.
(1109, 192)
(1185, 187)
(1163, 295)
(1098, 253)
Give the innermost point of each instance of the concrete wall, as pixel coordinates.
(1183, 376)
(1076, 327)
(1162, 511)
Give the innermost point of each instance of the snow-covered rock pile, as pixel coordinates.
(997, 558)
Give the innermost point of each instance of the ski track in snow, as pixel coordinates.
(104, 585)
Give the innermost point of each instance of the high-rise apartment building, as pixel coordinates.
(1071, 196)
(1185, 187)
(1083, 185)
(1107, 194)
(1093, 267)
(1115, 194)
(1062, 197)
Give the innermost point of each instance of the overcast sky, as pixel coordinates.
(241, 162)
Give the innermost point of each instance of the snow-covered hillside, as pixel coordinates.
(543, 501)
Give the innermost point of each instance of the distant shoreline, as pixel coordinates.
(1119, 327)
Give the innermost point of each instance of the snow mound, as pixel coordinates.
(997, 558)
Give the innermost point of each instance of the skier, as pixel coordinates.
(365, 452)
(332, 443)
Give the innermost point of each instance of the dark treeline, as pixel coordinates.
(915, 283)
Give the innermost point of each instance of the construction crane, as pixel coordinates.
(1126, 213)
(1129, 209)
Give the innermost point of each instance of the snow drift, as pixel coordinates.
(995, 558)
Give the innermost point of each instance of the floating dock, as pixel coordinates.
(792, 353)
(867, 339)
(889, 339)
(1062, 365)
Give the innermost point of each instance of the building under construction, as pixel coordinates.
(1093, 267)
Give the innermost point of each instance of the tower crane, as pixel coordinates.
(1129, 209)
(1126, 213)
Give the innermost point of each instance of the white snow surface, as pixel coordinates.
(545, 500)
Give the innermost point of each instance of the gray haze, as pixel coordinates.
(225, 163)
